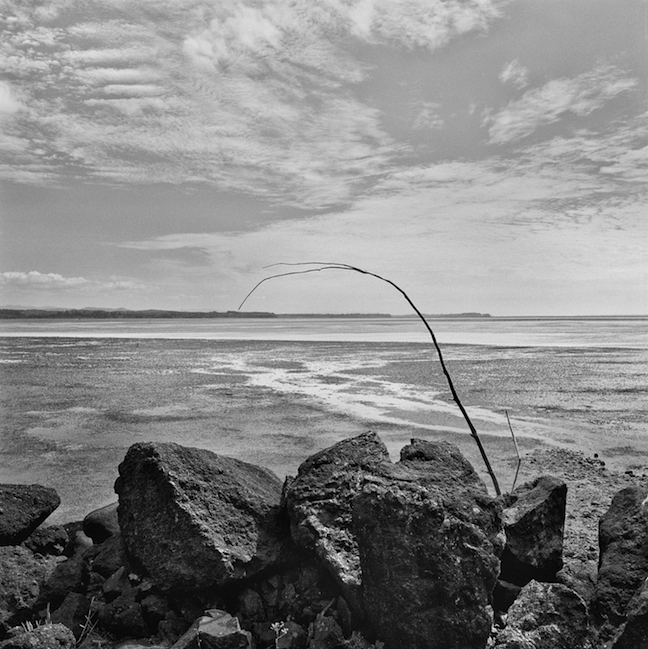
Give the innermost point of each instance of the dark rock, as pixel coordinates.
(69, 576)
(155, 608)
(194, 519)
(534, 522)
(324, 633)
(215, 630)
(48, 540)
(546, 616)
(23, 576)
(107, 558)
(623, 559)
(101, 523)
(504, 595)
(290, 636)
(22, 509)
(74, 613)
(123, 616)
(319, 503)
(77, 541)
(634, 632)
(581, 577)
(46, 636)
(250, 608)
(429, 555)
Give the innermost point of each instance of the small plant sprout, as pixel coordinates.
(280, 630)
(317, 266)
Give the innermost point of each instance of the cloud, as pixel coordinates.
(53, 282)
(538, 107)
(515, 74)
(260, 97)
(8, 104)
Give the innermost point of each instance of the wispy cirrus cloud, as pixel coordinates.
(257, 96)
(516, 74)
(538, 107)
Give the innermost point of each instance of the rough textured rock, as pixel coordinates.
(634, 632)
(48, 540)
(101, 523)
(23, 576)
(194, 519)
(324, 633)
(47, 636)
(546, 616)
(623, 559)
(215, 630)
(22, 509)
(319, 503)
(534, 522)
(429, 563)
(429, 538)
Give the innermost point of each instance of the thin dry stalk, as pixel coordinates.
(517, 451)
(346, 267)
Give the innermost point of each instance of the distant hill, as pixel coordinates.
(99, 314)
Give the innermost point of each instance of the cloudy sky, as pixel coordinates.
(486, 155)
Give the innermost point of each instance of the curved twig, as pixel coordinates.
(337, 266)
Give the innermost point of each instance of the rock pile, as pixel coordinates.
(207, 551)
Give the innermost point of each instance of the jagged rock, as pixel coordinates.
(22, 509)
(429, 549)
(546, 616)
(46, 636)
(319, 503)
(101, 523)
(48, 540)
(194, 519)
(74, 613)
(215, 630)
(634, 632)
(23, 576)
(123, 615)
(623, 558)
(108, 557)
(429, 565)
(534, 522)
(69, 576)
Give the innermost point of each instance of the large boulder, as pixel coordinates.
(623, 558)
(23, 507)
(320, 503)
(534, 522)
(546, 616)
(193, 519)
(429, 538)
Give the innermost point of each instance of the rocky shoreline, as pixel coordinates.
(355, 551)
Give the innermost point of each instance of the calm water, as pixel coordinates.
(75, 395)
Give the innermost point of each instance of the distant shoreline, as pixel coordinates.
(35, 313)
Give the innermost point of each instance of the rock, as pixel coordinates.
(634, 632)
(69, 576)
(429, 558)
(123, 616)
(73, 613)
(101, 523)
(23, 576)
(215, 630)
(324, 633)
(108, 557)
(546, 616)
(504, 595)
(48, 540)
(22, 509)
(534, 522)
(193, 519)
(291, 636)
(46, 636)
(623, 558)
(319, 504)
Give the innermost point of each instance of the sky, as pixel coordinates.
(485, 155)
